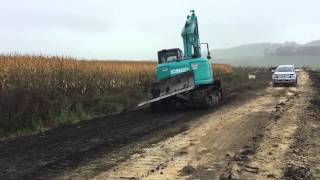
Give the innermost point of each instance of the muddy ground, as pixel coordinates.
(265, 133)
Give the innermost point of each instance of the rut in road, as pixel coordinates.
(66, 147)
(206, 150)
(271, 153)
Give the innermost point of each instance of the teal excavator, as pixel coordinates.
(185, 77)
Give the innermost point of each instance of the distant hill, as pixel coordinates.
(313, 43)
(310, 61)
(256, 49)
(248, 50)
(277, 53)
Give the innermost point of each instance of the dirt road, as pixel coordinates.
(256, 134)
(89, 147)
(246, 140)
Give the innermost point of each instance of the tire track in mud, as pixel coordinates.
(269, 158)
(303, 158)
(71, 145)
(101, 143)
(200, 152)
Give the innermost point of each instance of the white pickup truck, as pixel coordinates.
(284, 74)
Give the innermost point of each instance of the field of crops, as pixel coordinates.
(37, 92)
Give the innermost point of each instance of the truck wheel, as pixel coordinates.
(295, 84)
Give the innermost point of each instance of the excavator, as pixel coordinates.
(185, 77)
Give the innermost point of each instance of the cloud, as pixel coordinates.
(46, 15)
(137, 29)
(74, 23)
(45, 22)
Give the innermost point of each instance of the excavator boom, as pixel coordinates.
(190, 36)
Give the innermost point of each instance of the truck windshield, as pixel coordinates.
(284, 69)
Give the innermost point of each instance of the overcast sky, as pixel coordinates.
(137, 29)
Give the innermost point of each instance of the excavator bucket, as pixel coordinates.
(168, 87)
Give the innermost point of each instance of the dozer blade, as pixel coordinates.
(171, 86)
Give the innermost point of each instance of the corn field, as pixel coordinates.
(39, 92)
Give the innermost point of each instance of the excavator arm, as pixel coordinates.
(190, 35)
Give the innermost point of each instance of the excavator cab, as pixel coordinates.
(168, 55)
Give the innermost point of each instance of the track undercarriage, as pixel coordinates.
(200, 97)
